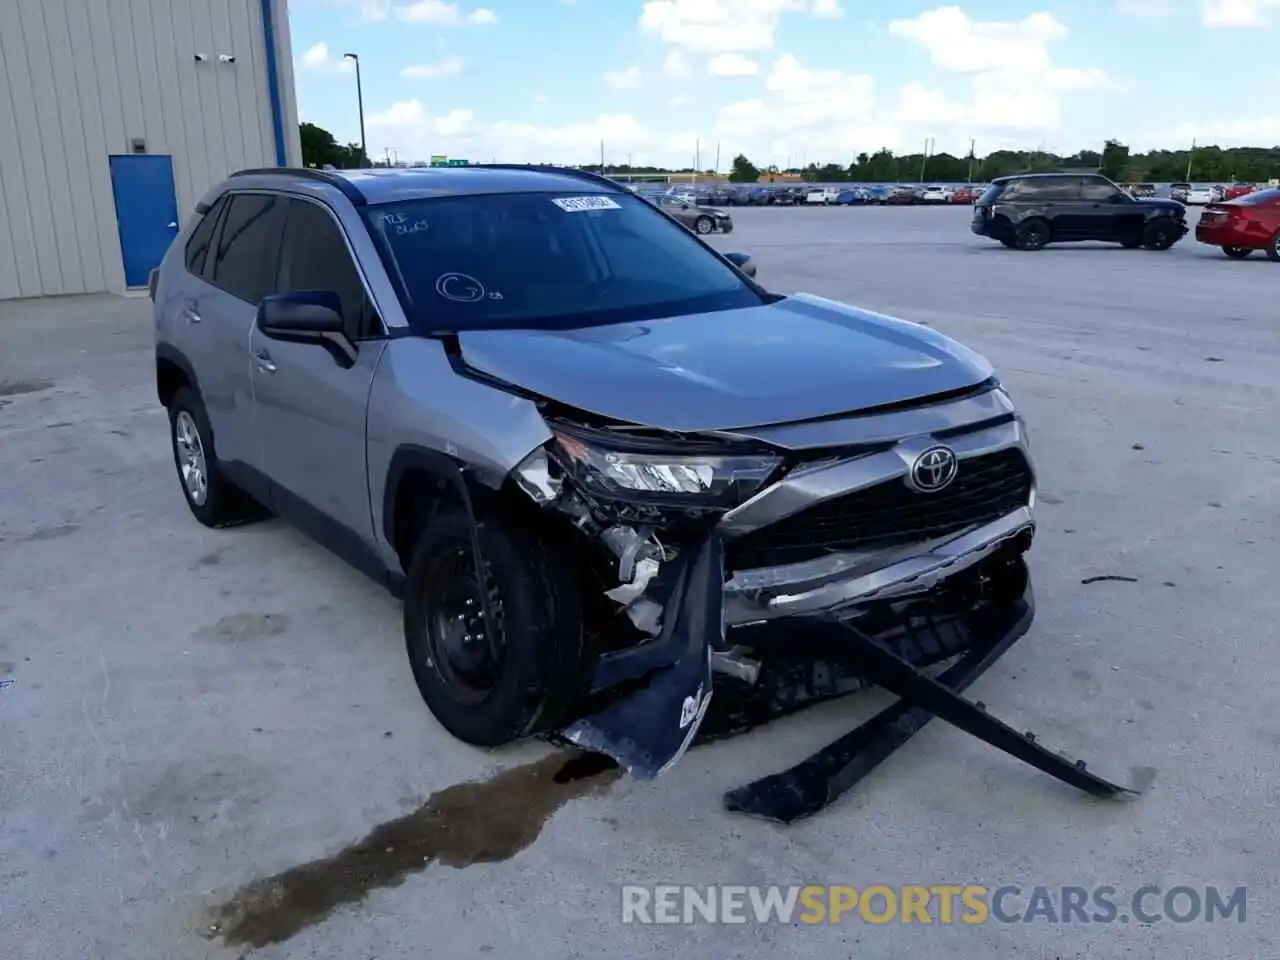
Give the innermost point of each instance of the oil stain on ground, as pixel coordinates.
(13, 388)
(245, 627)
(479, 822)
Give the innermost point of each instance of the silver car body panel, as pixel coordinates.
(845, 582)
(801, 358)
(808, 486)
(847, 579)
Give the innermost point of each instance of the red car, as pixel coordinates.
(1237, 190)
(1249, 222)
(965, 195)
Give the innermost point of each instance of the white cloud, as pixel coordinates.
(926, 107)
(1015, 84)
(1222, 131)
(441, 68)
(676, 66)
(716, 26)
(827, 9)
(416, 133)
(732, 65)
(628, 79)
(444, 14)
(1237, 13)
(1146, 9)
(319, 59)
(957, 44)
(829, 114)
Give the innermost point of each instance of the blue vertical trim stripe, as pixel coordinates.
(273, 81)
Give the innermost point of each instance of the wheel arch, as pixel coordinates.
(173, 372)
(419, 481)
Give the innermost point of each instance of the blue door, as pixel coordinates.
(146, 212)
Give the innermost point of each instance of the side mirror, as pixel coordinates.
(308, 316)
(305, 314)
(743, 262)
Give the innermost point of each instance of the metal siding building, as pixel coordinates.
(100, 100)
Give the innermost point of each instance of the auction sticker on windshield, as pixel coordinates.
(579, 204)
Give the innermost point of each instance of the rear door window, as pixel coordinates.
(202, 236)
(1098, 190)
(248, 246)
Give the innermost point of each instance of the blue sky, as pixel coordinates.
(785, 81)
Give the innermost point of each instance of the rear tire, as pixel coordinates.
(1032, 235)
(213, 499)
(484, 696)
(1237, 253)
(1273, 248)
(1159, 234)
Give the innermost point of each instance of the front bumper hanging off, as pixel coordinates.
(818, 781)
(670, 685)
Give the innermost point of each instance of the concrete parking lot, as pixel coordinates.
(185, 712)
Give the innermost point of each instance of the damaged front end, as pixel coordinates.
(783, 569)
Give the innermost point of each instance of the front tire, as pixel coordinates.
(1237, 253)
(1159, 234)
(1032, 235)
(1273, 248)
(213, 499)
(526, 681)
(704, 225)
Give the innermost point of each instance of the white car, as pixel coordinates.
(1194, 196)
(936, 194)
(826, 195)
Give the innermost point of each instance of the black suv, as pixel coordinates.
(1029, 211)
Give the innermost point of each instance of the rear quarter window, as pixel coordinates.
(198, 245)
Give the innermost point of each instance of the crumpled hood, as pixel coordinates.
(800, 358)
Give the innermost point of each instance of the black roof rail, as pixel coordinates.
(334, 179)
(596, 178)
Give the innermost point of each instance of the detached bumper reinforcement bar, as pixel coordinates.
(818, 781)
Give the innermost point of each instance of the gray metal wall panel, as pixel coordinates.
(79, 81)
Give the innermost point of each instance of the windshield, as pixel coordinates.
(547, 260)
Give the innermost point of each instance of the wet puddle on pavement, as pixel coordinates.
(468, 823)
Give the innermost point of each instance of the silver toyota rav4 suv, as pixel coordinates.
(588, 450)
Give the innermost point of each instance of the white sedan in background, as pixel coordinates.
(936, 194)
(1192, 195)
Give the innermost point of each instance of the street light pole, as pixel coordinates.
(364, 151)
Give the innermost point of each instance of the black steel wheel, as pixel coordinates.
(496, 645)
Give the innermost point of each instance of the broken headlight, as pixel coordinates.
(662, 472)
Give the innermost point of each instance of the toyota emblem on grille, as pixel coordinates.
(934, 469)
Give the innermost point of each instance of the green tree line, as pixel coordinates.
(319, 147)
(1115, 160)
(1211, 163)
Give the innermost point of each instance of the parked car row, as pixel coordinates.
(1032, 211)
(793, 195)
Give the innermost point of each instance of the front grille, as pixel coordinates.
(889, 514)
